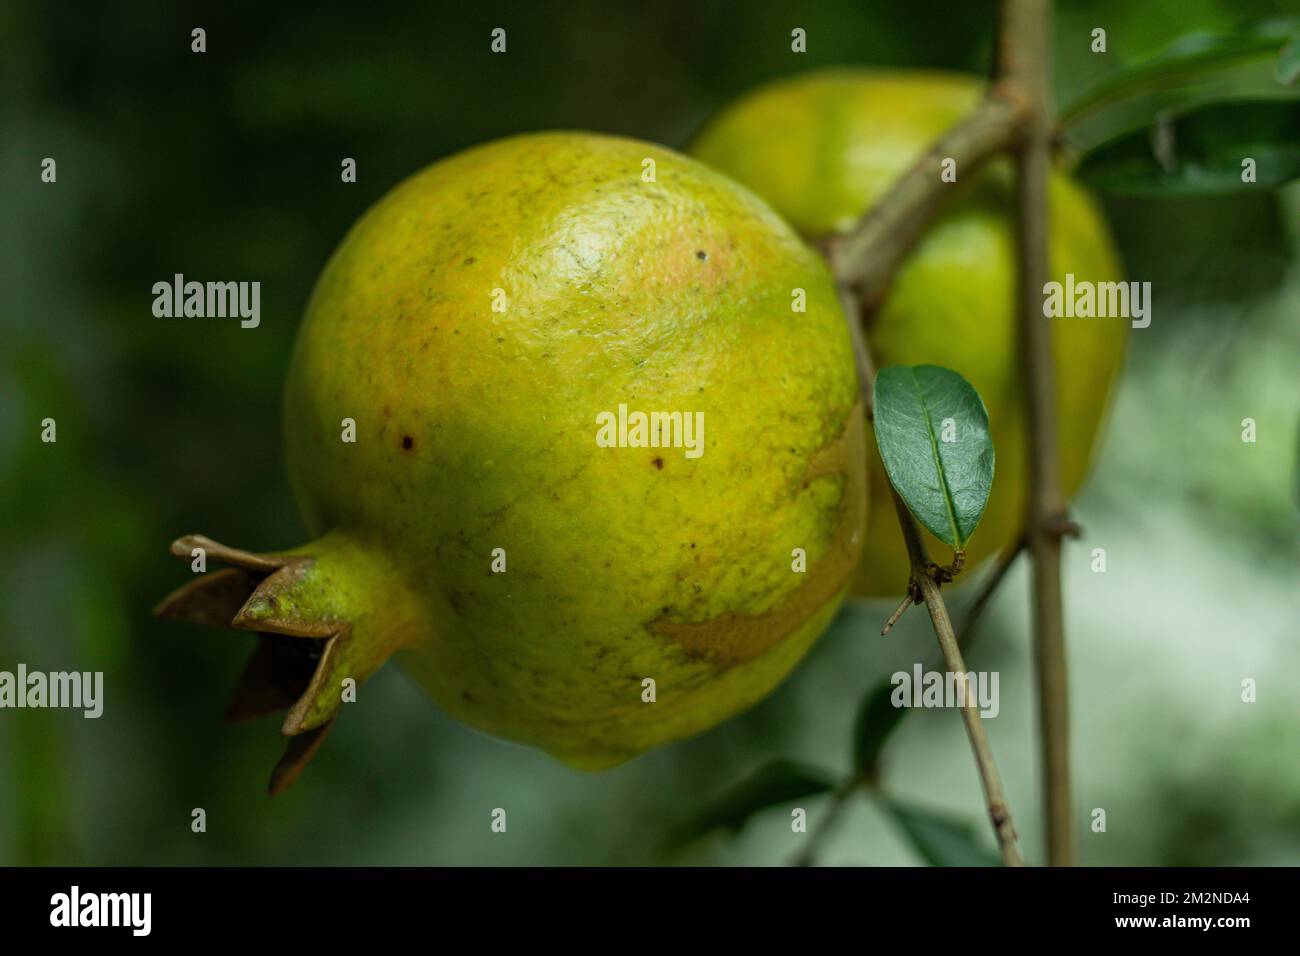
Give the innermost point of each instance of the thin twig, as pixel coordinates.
(826, 822)
(1023, 59)
(970, 620)
(913, 597)
(922, 580)
(994, 798)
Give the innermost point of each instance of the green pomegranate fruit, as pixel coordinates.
(822, 148)
(462, 429)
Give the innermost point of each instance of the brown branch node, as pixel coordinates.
(1060, 525)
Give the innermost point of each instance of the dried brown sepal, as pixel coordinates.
(296, 757)
(183, 547)
(212, 600)
(276, 676)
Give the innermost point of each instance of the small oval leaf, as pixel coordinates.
(933, 434)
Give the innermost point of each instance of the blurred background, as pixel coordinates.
(227, 165)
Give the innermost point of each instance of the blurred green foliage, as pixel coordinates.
(227, 165)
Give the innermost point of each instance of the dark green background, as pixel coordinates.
(227, 165)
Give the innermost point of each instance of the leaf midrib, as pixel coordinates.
(949, 504)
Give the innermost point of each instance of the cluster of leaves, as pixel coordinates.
(938, 839)
(1182, 122)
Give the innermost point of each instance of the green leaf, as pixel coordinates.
(940, 840)
(875, 721)
(1194, 71)
(933, 434)
(779, 781)
(1202, 152)
(1288, 63)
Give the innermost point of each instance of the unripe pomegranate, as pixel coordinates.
(547, 569)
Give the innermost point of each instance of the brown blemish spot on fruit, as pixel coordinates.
(407, 442)
(460, 601)
(658, 463)
(470, 261)
(732, 639)
(701, 255)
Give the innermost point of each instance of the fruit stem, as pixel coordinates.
(923, 587)
(994, 797)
